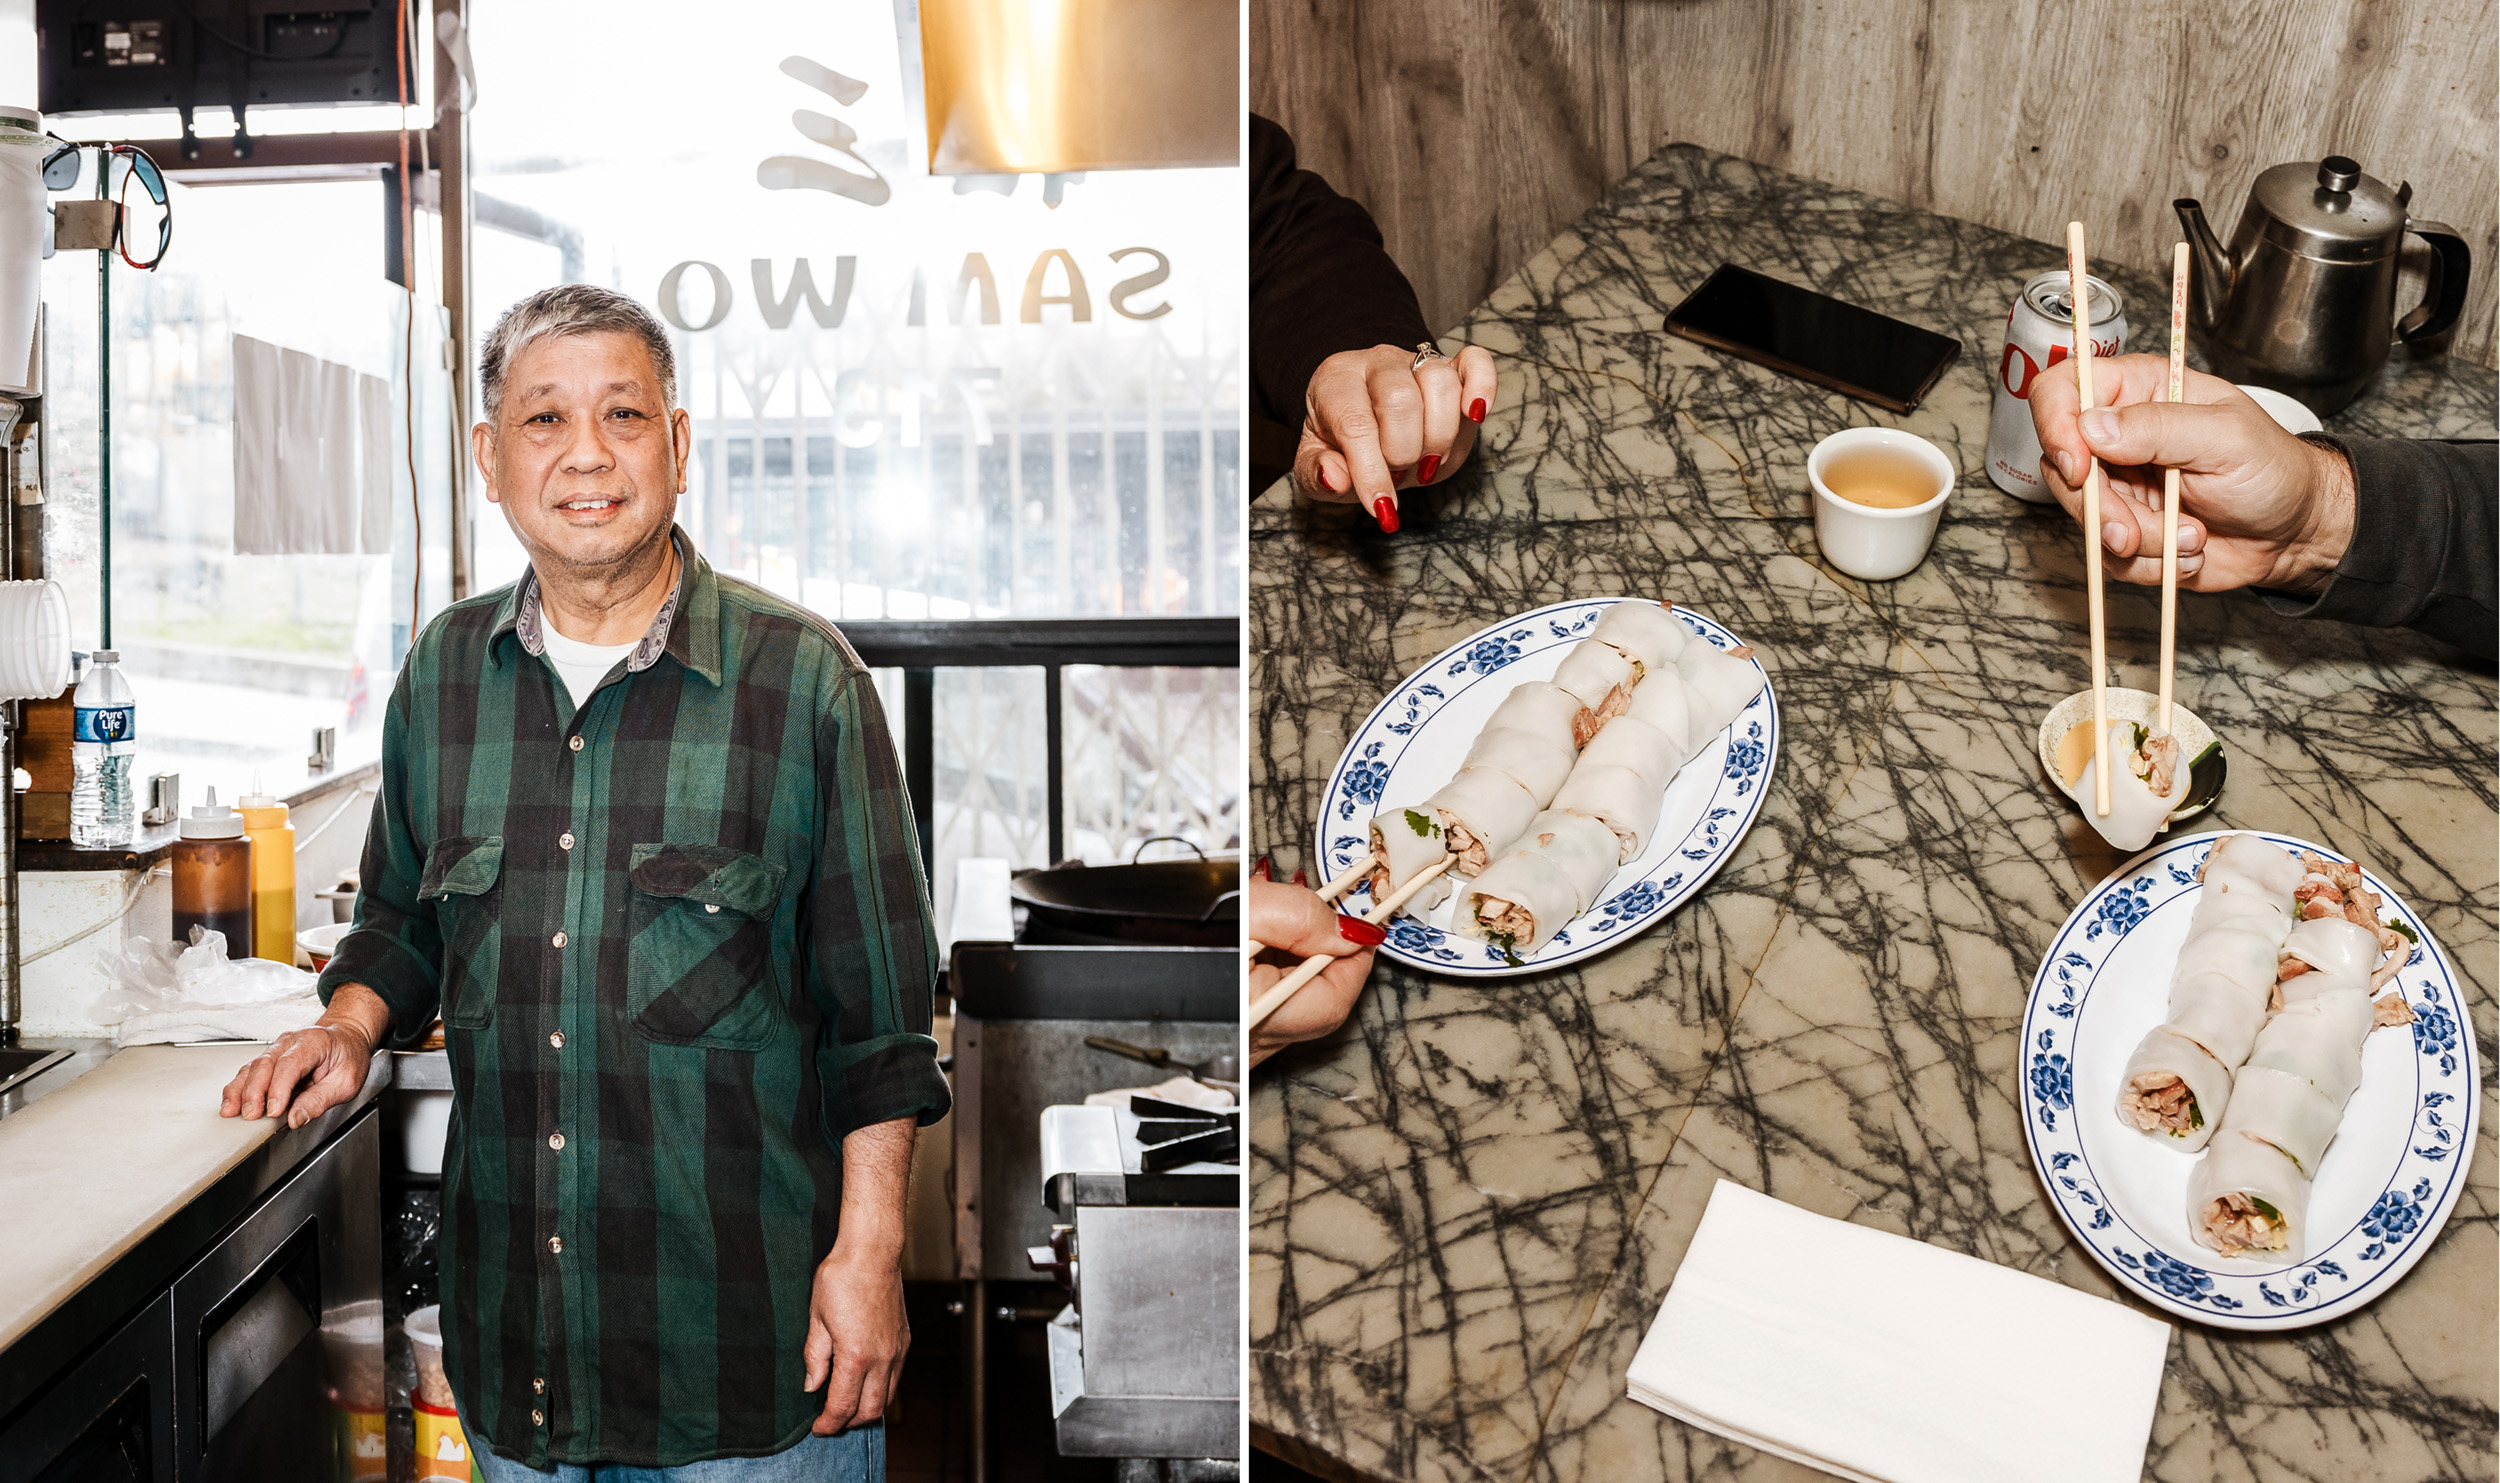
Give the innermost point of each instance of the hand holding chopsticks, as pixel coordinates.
(1274, 999)
(2080, 285)
(1345, 881)
(2170, 482)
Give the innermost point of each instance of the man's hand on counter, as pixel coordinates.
(326, 1061)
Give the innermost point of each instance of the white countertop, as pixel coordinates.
(90, 1170)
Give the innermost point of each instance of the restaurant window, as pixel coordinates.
(913, 397)
(235, 659)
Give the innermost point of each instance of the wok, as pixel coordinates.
(1171, 903)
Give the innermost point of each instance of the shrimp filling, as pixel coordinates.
(2157, 762)
(2159, 1102)
(2239, 1222)
(1505, 919)
(1473, 853)
(2335, 888)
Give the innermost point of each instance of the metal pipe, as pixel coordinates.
(104, 416)
(1055, 789)
(920, 757)
(12, 448)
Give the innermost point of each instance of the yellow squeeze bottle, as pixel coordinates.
(273, 875)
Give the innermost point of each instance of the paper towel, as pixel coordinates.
(255, 373)
(313, 455)
(330, 523)
(24, 230)
(378, 461)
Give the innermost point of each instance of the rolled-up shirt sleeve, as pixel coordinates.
(872, 947)
(2425, 550)
(396, 946)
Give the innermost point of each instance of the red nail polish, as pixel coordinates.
(1265, 870)
(1301, 877)
(1356, 930)
(1385, 510)
(1475, 410)
(1431, 466)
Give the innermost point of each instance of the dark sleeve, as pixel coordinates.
(1320, 282)
(871, 946)
(396, 946)
(2423, 551)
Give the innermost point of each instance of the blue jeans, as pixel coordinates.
(855, 1456)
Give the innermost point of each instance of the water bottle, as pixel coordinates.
(102, 742)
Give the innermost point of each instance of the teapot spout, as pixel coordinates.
(2212, 283)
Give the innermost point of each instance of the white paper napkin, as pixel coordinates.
(1883, 1359)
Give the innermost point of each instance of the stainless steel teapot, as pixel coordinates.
(2304, 298)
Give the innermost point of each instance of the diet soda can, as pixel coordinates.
(2039, 334)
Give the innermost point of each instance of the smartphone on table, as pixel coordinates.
(1798, 332)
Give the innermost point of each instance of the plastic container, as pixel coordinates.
(103, 733)
(424, 1127)
(442, 1448)
(351, 1341)
(424, 1327)
(320, 943)
(213, 877)
(273, 876)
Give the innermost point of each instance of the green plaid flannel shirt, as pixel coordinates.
(680, 942)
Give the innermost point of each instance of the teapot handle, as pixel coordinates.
(2444, 300)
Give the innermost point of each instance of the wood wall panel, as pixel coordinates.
(1475, 129)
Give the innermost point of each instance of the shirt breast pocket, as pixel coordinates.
(462, 881)
(700, 971)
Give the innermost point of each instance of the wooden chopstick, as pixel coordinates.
(1274, 999)
(2079, 285)
(1252, 947)
(2170, 481)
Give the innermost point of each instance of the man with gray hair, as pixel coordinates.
(643, 843)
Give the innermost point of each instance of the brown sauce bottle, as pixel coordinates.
(213, 877)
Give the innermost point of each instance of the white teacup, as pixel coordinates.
(1872, 542)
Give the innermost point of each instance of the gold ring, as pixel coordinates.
(1427, 351)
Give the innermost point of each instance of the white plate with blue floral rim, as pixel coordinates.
(2384, 1188)
(1414, 741)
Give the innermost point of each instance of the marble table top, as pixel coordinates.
(1466, 1206)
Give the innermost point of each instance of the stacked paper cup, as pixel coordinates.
(34, 640)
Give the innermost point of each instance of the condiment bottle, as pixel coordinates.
(213, 877)
(273, 875)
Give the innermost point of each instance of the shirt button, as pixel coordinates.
(538, 1387)
(555, 1140)
(575, 744)
(709, 907)
(538, 1418)
(560, 939)
(555, 1244)
(556, 1039)
(564, 842)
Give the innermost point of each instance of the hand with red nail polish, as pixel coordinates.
(2258, 507)
(1375, 422)
(1297, 924)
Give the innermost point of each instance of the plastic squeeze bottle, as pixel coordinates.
(213, 877)
(273, 875)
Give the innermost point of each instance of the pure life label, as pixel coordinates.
(103, 723)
